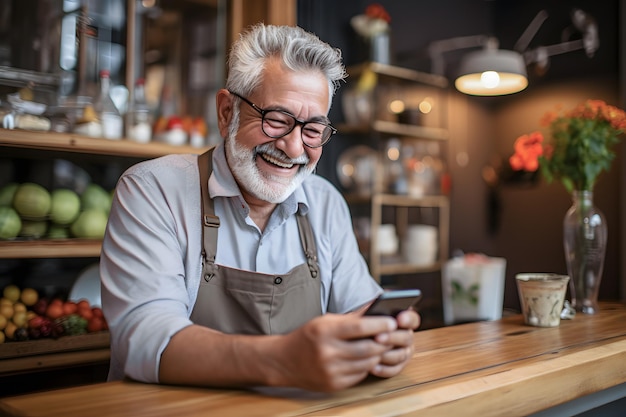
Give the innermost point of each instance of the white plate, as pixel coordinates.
(356, 167)
(87, 286)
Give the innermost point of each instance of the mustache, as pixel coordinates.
(271, 150)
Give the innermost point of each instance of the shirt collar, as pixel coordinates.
(221, 182)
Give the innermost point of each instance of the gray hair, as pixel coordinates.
(298, 49)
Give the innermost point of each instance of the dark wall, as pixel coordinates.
(415, 24)
(515, 16)
(484, 128)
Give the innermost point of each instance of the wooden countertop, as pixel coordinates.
(485, 369)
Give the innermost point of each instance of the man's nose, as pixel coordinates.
(292, 143)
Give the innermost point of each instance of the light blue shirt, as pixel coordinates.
(150, 265)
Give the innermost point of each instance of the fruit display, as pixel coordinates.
(32, 201)
(10, 223)
(24, 315)
(30, 211)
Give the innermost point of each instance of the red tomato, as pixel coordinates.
(83, 305)
(54, 310)
(95, 324)
(69, 307)
(97, 312)
(85, 313)
(56, 301)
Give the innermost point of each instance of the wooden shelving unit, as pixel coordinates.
(23, 357)
(380, 266)
(378, 128)
(89, 349)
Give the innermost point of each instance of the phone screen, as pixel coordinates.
(391, 303)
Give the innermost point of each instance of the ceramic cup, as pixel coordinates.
(541, 297)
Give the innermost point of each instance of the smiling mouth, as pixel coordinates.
(270, 159)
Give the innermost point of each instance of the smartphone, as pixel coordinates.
(391, 303)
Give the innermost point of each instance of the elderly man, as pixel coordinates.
(239, 267)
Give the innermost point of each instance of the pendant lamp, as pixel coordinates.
(491, 71)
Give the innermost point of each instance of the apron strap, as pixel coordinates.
(210, 222)
(308, 241)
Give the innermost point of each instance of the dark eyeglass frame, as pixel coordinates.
(297, 122)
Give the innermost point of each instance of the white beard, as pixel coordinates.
(271, 188)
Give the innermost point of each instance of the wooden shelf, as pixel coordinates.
(49, 345)
(64, 142)
(408, 201)
(20, 78)
(398, 200)
(399, 129)
(57, 248)
(41, 354)
(419, 132)
(406, 268)
(400, 73)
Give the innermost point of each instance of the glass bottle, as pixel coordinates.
(584, 238)
(139, 118)
(110, 118)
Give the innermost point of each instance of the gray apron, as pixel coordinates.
(245, 302)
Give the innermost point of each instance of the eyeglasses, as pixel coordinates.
(278, 123)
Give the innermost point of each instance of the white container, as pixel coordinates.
(387, 241)
(420, 245)
(473, 288)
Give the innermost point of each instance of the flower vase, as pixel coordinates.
(380, 48)
(584, 239)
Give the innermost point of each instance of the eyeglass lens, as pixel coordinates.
(277, 124)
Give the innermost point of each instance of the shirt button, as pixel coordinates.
(278, 280)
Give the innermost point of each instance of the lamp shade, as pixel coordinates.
(492, 72)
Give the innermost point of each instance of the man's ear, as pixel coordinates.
(224, 103)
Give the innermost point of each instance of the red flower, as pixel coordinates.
(548, 118)
(528, 149)
(579, 147)
(376, 11)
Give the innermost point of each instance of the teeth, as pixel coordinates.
(275, 161)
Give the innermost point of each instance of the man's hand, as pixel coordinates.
(329, 353)
(332, 352)
(394, 360)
